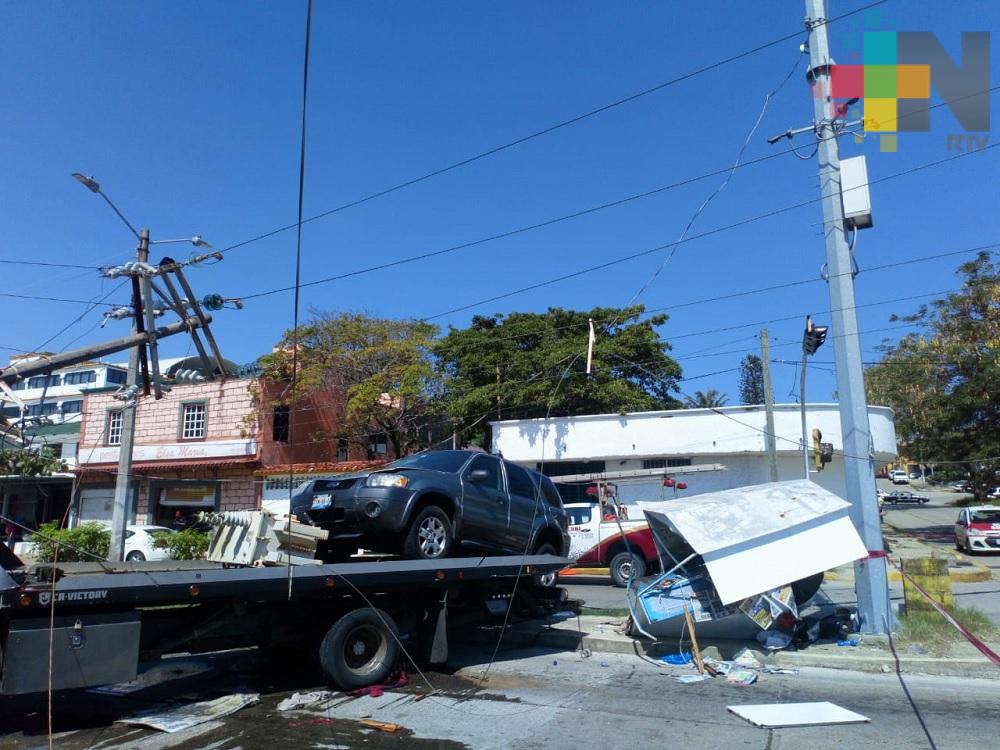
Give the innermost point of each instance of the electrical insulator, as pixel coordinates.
(188, 377)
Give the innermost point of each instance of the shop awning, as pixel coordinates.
(146, 467)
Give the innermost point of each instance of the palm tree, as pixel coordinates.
(709, 400)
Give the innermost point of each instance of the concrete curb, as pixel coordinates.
(600, 635)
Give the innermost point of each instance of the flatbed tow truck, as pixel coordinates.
(96, 622)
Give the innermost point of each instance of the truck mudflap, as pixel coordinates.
(87, 650)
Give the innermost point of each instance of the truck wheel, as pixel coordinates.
(546, 579)
(360, 649)
(626, 565)
(429, 536)
(805, 589)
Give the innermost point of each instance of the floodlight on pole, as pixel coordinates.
(197, 241)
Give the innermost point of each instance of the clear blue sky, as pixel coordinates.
(188, 114)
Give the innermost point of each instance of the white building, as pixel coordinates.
(733, 436)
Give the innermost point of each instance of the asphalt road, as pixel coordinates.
(545, 700)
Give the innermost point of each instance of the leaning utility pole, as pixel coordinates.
(123, 480)
(871, 585)
(772, 450)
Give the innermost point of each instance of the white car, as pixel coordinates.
(978, 528)
(139, 543)
(899, 477)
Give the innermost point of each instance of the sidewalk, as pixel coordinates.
(600, 634)
(902, 546)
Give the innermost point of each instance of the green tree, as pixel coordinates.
(383, 367)
(710, 399)
(752, 380)
(25, 463)
(942, 382)
(526, 365)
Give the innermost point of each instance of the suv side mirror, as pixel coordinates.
(478, 476)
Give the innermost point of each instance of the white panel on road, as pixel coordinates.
(773, 715)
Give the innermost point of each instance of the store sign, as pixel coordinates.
(172, 452)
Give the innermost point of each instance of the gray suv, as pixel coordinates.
(427, 505)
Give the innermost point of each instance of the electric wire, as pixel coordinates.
(553, 128)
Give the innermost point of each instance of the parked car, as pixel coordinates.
(899, 477)
(914, 475)
(902, 496)
(139, 543)
(427, 505)
(978, 528)
(962, 486)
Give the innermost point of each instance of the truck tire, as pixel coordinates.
(546, 579)
(430, 536)
(360, 649)
(626, 565)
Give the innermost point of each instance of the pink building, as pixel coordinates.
(195, 449)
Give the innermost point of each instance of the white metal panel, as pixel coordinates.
(796, 714)
(854, 192)
(754, 539)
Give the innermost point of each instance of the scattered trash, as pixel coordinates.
(715, 667)
(376, 691)
(301, 700)
(687, 679)
(677, 659)
(746, 658)
(382, 726)
(585, 653)
(176, 718)
(604, 664)
(155, 675)
(774, 640)
(885, 669)
(742, 677)
(774, 715)
(781, 670)
(851, 642)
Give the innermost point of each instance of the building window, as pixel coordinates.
(280, 424)
(44, 381)
(193, 418)
(118, 377)
(277, 483)
(20, 385)
(566, 468)
(115, 418)
(71, 407)
(654, 463)
(378, 446)
(42, 410)
(80, 378)
(675, 462)
(11, 411)
(342, 446)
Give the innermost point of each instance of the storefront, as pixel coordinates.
(176, 504)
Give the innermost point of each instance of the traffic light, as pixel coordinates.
(813, 337)
(817, 450)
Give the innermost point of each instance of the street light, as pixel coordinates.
(94, 186)
(812, 339)
(197, 241)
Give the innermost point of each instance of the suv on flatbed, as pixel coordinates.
(424, 506)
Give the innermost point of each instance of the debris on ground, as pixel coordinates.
(775, 715)
(677, 659)
(687, 679)
(382, 726)
(176, 718)
(746, 658)
(157, 674)
(376, 691)
(742, 677)
(302, 700)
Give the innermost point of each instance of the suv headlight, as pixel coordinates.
(387, 480)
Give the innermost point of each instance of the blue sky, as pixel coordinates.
(188, 114)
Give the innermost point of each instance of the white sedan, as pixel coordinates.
(978, 528)
(139, 543)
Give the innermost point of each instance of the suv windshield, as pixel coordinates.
(986, 516)
(446, 461)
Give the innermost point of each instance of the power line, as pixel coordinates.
(550, 129)
(57, 299)
(48, 265)
(702, 235)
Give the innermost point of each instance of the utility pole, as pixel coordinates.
(802, 409)
(123, 480)
(772, 451)
(871, 585)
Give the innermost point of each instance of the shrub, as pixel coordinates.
(85, 543)
(184, 545)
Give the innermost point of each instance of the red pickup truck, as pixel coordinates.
(598, 538)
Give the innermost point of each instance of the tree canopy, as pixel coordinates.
(526, 365)
(25, 463)
(710, 399)
(383, 367)
(942, 382)
(752, 380)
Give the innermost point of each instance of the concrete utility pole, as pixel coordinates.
(871, 585)
(123, 480)
(772, 450)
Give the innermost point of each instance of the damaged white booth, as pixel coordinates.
(736, 559)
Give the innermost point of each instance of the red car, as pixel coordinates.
(978, 529)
